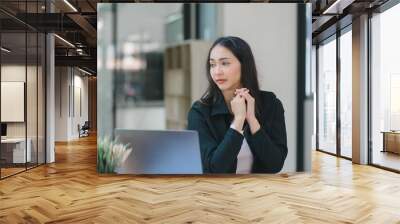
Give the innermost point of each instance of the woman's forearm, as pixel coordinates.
(238, 123)
(254, 125)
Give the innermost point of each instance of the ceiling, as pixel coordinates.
(332, 15)
(75, 21)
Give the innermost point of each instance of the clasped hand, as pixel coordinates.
(243, 108)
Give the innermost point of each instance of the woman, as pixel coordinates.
(241, 128)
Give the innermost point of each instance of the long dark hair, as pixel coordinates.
(242, 51)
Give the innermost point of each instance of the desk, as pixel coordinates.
(391, 141)
(13, 150)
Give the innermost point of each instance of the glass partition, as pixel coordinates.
(385, 89)
(327, 96)
(346, 93)
(13, 107)
(22, 89)
(31, 100)
(41, 107)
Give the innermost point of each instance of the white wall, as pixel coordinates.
(12, 100)
(68, 82)
(17, 73)
(33, 126)
(81, 83)
(271, 31)
(61, 103)
(14, 73)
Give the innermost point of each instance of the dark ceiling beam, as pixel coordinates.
(332, 28)
(47, 22)
(63, 7)
(91, 5)
(80, 20)
(10, 15)
(81, 61)
(70, 23)
(86, 51)
(11, 25)
(89, 70)
(86, 26)
(327, 19)
(337, 7)
(321, 20)
(89, 14)
(325, 15)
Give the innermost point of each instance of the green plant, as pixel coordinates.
(111, 154)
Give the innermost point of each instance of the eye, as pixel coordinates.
(212, 65)
(225, 63)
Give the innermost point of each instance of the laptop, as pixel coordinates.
(160, 152)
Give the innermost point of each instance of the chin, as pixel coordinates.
(223, 87)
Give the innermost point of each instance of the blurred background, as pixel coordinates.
(151, 60)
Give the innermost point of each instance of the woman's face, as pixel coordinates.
(224, 68)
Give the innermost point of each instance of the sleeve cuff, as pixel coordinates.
(233, 127)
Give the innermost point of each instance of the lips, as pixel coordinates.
(220, 81)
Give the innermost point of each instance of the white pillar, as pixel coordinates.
(50, 93)
(50, 100)
(360, 90)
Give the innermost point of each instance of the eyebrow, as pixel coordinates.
(211, 59)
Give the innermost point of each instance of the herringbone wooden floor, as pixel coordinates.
(70, 191)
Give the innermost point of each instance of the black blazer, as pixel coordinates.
(220, 144)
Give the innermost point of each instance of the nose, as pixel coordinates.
(217, 70)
